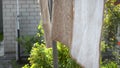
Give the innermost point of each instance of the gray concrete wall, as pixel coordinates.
(29, 19)
(1, 21)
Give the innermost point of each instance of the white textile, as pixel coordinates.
(87, 31)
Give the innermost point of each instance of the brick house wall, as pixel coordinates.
(29, 20)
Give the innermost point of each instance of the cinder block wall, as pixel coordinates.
(1, 24)
(29, 19)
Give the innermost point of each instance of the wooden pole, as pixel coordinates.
(55, 54)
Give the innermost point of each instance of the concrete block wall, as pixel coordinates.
(29, 19)
(1, 23)
(9, 25)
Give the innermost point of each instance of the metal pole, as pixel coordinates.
(18, 34)
(19, 58)
(18, 14)
(55, 54)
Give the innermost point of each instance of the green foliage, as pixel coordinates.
(103, 46)
(41, 57)
(109, 65)
(111, 21)
(65, 60)
(15, 65)
(1, 36)
(27, 41)
(106, 53)
(26, 66)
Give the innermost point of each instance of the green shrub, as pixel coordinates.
(109, 65)
(27, 41)
(41, 57)
(65, 60)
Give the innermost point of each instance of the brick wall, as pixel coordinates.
(29, 19)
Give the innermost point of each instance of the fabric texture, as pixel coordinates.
(46, 21)
(62, 21)
(78, 25)
(88, 20)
